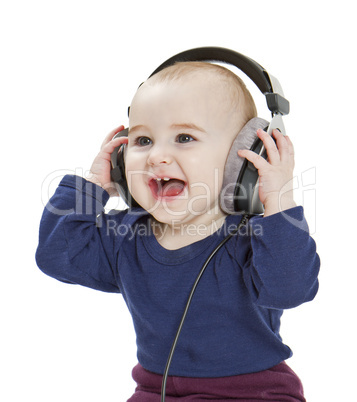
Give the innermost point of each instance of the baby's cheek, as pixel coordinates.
(208, 185)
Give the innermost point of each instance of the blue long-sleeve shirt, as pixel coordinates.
(232, 326)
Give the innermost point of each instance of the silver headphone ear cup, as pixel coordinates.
(234, 164)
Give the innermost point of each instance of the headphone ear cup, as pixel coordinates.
(239, 193)
(117, 172)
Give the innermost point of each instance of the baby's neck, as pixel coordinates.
(178, 235)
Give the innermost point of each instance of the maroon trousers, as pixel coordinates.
(278, 384)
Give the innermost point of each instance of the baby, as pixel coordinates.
(182, 123)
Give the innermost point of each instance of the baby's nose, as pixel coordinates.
(159, 155)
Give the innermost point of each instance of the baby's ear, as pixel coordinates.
(234, 164)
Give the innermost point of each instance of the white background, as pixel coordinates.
(68, 72)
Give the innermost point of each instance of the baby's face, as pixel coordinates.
(180, 133)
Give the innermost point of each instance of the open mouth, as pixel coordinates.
(166, 187)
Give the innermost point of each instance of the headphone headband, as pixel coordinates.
(268, 85)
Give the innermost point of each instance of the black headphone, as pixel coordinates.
(240, 184)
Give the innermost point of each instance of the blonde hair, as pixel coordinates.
(236, 89)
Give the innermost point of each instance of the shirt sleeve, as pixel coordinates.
(282, 268)
(73, 244)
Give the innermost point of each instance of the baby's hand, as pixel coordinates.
(276, 173)
(100, 170)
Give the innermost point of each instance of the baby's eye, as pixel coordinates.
(184, 138)
(143, 141)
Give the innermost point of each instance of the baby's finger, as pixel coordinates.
(290, 145)
(110, 136)
(270, 146)
(258, 161)
(112, 144)
(286, 148)
(107, 149)
(291, 151)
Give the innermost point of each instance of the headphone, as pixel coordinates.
(240, 186)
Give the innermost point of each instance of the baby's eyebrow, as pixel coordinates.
(182, 126)
(187, 126)
(136, 128)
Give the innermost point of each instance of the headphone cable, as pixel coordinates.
(188, 303)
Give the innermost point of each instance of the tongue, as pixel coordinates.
(172, 188)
